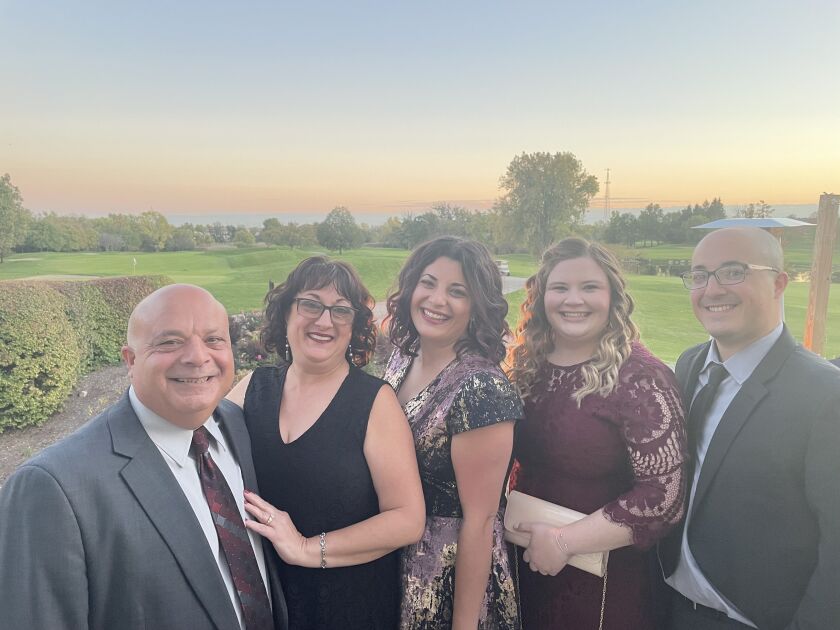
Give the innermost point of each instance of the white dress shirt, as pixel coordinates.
(174, 442)
(688, 579)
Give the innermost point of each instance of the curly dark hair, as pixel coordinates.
(318, 272)
(487, 328)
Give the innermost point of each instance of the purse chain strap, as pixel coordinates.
(519, 591)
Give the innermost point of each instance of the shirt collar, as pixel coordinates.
(173, 440)
(742, 364)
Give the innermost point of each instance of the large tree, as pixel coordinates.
(339, 230)
(14, 218)
(545, 194)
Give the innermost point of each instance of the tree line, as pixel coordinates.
(544, 197)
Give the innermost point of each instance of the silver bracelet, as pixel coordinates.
(322, 540)
(561, 542)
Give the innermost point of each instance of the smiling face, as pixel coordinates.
(738, 314)
(318, 341)
(440, 303)
(577, 303)
(179, 355)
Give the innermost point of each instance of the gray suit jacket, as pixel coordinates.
(95, 532)
(765, 523)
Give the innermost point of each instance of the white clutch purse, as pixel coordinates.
(523, 508)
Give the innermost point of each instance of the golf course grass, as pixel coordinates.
(240, 277)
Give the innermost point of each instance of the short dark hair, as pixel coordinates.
(318, 272)
(487, 329)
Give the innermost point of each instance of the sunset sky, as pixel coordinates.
(255, 107)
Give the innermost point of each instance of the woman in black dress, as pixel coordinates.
(333, 452)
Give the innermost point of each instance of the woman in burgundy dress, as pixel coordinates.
(603, 434)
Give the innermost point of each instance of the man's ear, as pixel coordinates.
(780, 284)
(128, 356)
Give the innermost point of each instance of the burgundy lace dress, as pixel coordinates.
(624, 453)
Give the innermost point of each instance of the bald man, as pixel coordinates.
(112, 526)
(760, 546)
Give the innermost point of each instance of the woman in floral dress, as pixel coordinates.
(447, 321)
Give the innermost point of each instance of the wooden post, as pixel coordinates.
(814, 338)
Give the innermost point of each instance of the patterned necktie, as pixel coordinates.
(233, 537)
(702, 403)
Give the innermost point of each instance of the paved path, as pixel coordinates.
(509, 285)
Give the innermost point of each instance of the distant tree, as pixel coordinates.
(651, 224)
(122, 226)
(14, 218)
(219, 232)
(758, 210)
(308, 234)
(622, 228)
(243, 238)
(109, 242)
(419, 228)
(339, 231)
(50, 232)
(44, 235)
(295, 235)
(545, 195)
(182, 239)
(272, 232)
(154, 230)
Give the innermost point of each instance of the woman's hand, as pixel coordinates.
(276, 525)
(547, 553)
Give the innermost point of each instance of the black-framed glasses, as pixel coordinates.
(312, 309)
(730, 273)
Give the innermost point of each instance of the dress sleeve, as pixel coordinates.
(653, 427)
(484, 399)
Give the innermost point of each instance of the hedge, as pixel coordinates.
(52, 332)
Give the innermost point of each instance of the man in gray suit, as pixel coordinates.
(123, 524)
(760, 546)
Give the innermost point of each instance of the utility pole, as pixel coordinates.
(607, 210)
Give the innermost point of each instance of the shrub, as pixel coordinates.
(52, 332)
(40, 353)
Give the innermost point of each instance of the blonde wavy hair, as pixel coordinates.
(534, 339)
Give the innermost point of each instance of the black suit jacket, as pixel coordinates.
(95, 532)
(765, 523)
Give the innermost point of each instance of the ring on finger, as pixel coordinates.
(270, 518)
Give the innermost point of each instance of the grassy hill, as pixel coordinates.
(239, 278)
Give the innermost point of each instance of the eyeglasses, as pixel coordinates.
(312, 309)
(732, 273)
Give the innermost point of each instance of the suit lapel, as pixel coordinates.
(740, 411)
(687, 378)
(158, 493)
(239, 441)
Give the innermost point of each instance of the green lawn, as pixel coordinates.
(797, 255)
(239, 278)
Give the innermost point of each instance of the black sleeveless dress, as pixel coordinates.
(323, 481)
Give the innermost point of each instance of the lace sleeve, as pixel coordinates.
(653, 425)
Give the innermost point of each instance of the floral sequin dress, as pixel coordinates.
(624, 452)
(471, 392)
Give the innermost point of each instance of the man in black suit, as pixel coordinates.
(136, 519)
(760, 546)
